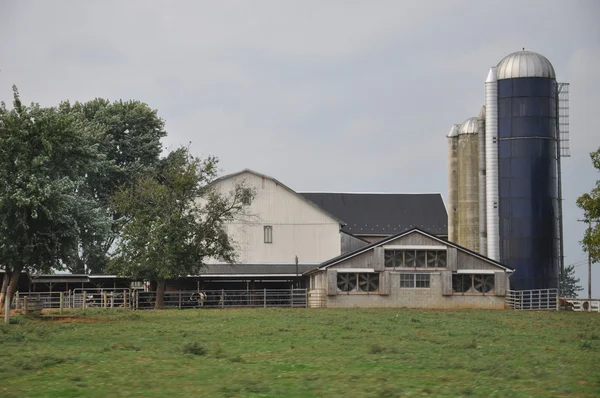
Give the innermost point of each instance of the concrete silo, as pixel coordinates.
(453, 182)
(468, 185)
(526, 169)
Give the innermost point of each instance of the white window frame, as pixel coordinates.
(414, 280)
(268, 234)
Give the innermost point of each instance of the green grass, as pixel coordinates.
(303, 353)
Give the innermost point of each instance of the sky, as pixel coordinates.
(323, 95)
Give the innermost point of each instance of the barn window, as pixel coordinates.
(415, 281)
(358, 282)
(472, 283)
(246, 196)
(415, 258)
(268, 230)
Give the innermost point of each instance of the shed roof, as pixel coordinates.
(381, 214)
(249, 270)
(382, 242)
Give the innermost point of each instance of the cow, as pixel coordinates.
(566, 305)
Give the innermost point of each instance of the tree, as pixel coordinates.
(175, 221)
(130, 144)
(590, 204)
(569, 285)
(45, 155)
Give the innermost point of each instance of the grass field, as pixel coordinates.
(302, 353)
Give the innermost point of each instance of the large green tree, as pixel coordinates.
(130, 143)
(590, 204)
(45, 156)
(175, 221)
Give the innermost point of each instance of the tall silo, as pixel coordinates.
(527, 169)
(482, 176)
(452, 182)
(468, 185)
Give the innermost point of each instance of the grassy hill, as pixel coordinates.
(302, 353)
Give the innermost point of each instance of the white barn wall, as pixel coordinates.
(299, 227)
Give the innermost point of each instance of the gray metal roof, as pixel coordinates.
(382, 242)
(385, 213)
(255, 269)
(453, 131)
(469, 126)
(525, 64)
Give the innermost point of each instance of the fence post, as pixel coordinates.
(265, 298)
(25, 308)
(7, 309)
(557, 301)
(222, 298)
(83, 299)
(104, 299)
(60, 300)
(179, 298)
(17, 301)
(292, 297)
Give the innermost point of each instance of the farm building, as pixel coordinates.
(411, 269)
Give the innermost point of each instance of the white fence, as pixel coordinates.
(535, 300)
(571, 304)
(138, 299)
(291, 298)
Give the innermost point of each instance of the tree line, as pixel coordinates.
(85, 188)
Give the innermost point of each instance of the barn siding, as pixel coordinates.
(468, 261)
(350, 243)
(299, 228)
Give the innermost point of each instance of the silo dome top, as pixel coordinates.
(453, 131)
(525, 64)
(469, 126)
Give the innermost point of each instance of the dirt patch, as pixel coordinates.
(69, 319)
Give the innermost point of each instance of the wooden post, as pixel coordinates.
(265, 298)
(17, 301)
(61, 302)
(83, 299)
(25, 309)
(292, 297)
(7, 309)
(104, 298)
(112, 300)
(179, 298)
(222, 298)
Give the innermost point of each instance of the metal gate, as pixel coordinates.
(536, 300)
(290, 298)
(101, 298)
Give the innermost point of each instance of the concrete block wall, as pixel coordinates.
(416, 298)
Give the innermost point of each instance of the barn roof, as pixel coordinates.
(248, 270)
(382, 214)
(382, 242)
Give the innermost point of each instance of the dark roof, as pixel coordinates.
(382, 242)
(384, 213)
(255, 269)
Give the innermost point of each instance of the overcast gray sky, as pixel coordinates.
(323, 95)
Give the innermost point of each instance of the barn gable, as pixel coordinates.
(278, 225)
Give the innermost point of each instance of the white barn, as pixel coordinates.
(281, 235)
